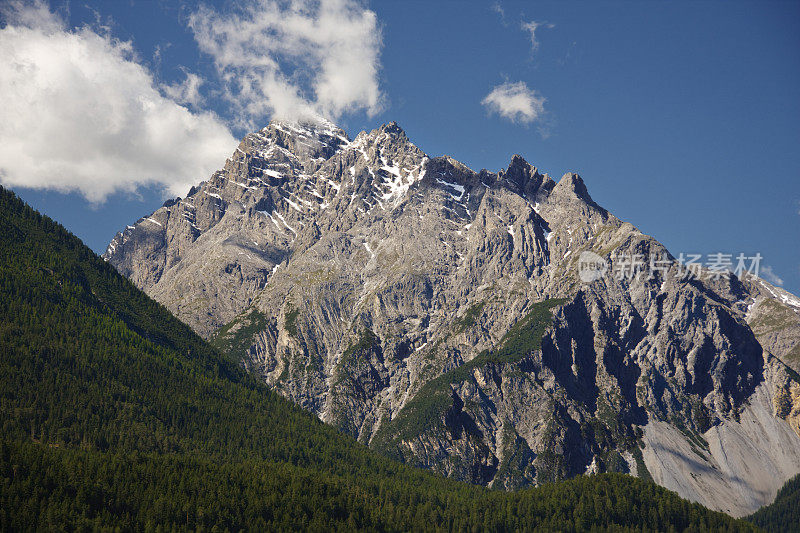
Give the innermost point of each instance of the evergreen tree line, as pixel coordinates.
(784, 513)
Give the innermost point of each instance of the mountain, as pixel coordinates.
(439, 315)
(115, 415)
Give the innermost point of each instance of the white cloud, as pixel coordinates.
(79, 113)
(32, 15)
(186, 92)
(301, 58)
(531, 28)
(767, 273)
(516, 102)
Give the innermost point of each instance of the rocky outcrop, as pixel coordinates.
(438, 314)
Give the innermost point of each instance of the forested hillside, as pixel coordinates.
(113, 413)
(784, 513)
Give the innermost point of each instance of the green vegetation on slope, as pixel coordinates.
(367, 340)
(470, 317)
(784, 513)
(115, 415)
(775, 318)
(425, 411)
(291, 321)
(236, 337)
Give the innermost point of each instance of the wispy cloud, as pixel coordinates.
(187, 91)
(515, 102)
(767, 273)
(80, 113)
(531, 28)
(301, 58)
(497, 8)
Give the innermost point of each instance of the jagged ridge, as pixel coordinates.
(353, 273)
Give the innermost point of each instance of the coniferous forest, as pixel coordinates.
(784, 513)
(115, 415)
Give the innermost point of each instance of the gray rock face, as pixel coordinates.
(437, 314)
(206, 256)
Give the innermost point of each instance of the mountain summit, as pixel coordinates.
(439, 315)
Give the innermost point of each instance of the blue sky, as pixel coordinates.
(682, 118)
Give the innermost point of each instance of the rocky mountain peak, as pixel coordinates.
(387, 135)
(526, 179)
(438, 313)
(517, 161)
(572, 186)
(312, 139)
(393, 128)
(310, 126)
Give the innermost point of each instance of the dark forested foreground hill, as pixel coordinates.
(113, 413)
(784, 513)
